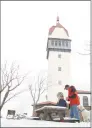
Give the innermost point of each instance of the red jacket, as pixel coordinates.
(73, 101)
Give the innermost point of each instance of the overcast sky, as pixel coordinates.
(24, 33)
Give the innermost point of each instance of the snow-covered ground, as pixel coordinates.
(38, 123)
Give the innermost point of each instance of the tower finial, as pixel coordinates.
(57, 18)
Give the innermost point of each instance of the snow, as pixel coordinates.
(39, 123)
(68, 118)
(53, 107)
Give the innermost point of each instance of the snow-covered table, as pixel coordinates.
(47, 112)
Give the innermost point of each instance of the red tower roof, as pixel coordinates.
(57, 25)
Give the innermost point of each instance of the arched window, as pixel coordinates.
(85, 101)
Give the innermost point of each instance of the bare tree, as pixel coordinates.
(10, 81)
(36, 90)
(83, 53)
(89, 46)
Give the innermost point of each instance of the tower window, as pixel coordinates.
(59, 68)
(63, 43)
(55, 43)
(59, 55)
(85, 101)
(66, 44)
(59, 82)
(59, 43)
(52, 42)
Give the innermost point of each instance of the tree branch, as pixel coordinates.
(14, 96)
(84, 54)
(10, 81)
(30, 88)
(19, 83)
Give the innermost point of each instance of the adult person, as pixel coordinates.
(74, 101)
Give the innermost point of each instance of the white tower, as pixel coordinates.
(58, 55)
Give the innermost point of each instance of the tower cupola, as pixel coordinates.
(58, 38)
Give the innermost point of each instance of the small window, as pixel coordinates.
(59, 55)
(59, 43)
(66, 44)
(59, 68)
(85, 101)
(59, 82)
(68, 41)
(63, 43)
(52, 42)
(55, 43)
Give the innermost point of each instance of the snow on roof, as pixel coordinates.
(83, 92)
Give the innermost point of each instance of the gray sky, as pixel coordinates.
(24, 33)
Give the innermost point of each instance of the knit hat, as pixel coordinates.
(60, 94)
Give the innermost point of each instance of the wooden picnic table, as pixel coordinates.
(47, 112)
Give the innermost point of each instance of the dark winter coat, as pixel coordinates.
(62, 103)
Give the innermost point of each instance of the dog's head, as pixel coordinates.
(80, 107)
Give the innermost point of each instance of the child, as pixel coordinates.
(61, 102)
